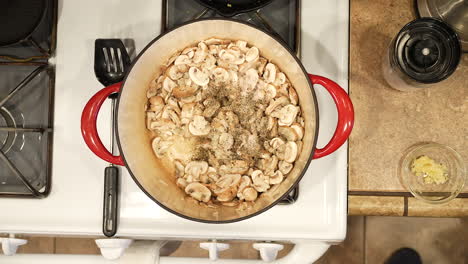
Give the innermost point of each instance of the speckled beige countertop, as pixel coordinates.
(389, 121)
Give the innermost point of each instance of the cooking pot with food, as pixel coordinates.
(157, 177)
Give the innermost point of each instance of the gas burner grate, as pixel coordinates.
(25, 130)
(280, 17)
(26, 110)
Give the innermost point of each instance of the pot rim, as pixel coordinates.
(312, 151)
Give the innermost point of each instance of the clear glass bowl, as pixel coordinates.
(433, 193)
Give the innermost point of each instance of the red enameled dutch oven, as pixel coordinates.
(158, 180)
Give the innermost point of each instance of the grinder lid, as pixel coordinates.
(427, 50)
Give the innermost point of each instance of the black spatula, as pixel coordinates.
(111, 62)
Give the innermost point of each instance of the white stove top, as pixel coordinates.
(74, 206)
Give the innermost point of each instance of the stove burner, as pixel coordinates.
(27, 31)
(19, 19)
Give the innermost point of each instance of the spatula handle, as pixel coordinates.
(111, 201)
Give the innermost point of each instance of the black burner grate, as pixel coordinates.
(26, 111)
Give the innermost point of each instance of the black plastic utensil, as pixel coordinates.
(111, 62)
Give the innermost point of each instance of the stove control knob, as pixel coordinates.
(10, 245)
(214, 248)
(113, 248)
(268, 251)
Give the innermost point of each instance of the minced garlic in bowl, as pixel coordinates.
(431, 171)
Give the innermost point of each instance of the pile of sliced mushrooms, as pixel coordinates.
(241, 110)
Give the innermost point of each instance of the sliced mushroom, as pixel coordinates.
(175, 72)
(212, 174)
(220, 75)
(198, 76)
(299, 130)
(199, 126)
(209, 63)
(190, 51)
(201, 53)
(286, 115)
(276, 143)
(187, 113)
(190, 99)
(280, 78)
(260, 181)
(259, 95)
(170, 114)
(184, 91)
(196, 168)
(233, 76)
(252, 54)
(226, 141)
(213, 49)
(271, 122)
(205, 179)
(270, 164)
(150, 117)
(232, 119)
(152, 91)
(213, 41)
(179, 168)
(242, 45)
(288, 133)
(249, 194)
(276, 177)
(262, 62)
(285, 167)
(156, 104)
(160, 147)
(172, 59)
(232, 56)
(171, 103)
(198, 191)
(162, 125)
(245, 182)
(220, 125)
(228, 180)
(168, 84)
(267, 147)
(211, 106)
(275, 103)
(274, 130)
(270, 73)
(288, 152)
(234, 167)
(300, 120)
(225, 194)
(248, 81)
(293, 96)
(247, 66)
(182, 59)
(270, 92)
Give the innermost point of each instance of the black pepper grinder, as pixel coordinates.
(425, 51)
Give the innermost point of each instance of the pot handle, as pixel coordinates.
(345, 115)
(89, 126)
